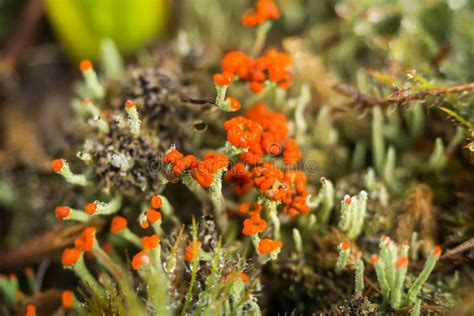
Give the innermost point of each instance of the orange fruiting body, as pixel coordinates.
(62, 211)
(223, 79)
(85, 65)
(374, 259)
(233, 103)
(156, 202)
(85, 241)
(153, 216)
(139, 260)
(254, 225)
(265, 10)
(401, 262)
(130, 105)
(67, 299)
(90, 208)
(150, 242)
(118, 224)
(57, 165)
(266, 246)
(30, 310)
(344, 245)
(437, 250)
(70, 256)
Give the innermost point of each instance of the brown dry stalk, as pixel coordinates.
(36, 249)
(418, 216)
(368, 101)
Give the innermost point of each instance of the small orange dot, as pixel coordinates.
(85, 65)
(374, 259)
(57, 165)
(344, 245)
(90, 208)
(347, 200)
(437, 250)
(129, 105)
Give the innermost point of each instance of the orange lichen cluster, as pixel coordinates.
(265, 10)
(265, 134)
(273, 65)
(84, 243)
(203, 171)
(152, 215)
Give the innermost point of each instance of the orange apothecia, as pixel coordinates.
(118, 224)
(223, 79)
(145, 224)
(153, 216)
(254, 225)
(62, 211)
(85, 241)
(344, 245)
(233, 103)
(190, 253)
(139, 260)
(273, 65)
(85, 65)
(266, 246)
(150, 242)
(30, 310)
(240, 177)
(130, 104)
(172, 157)
(401, 262)
(67, 299)
(348, 200)
(242, 132)
(70, 256)
(292, 153)
(374, 259)
(57, 165)
(186, 162)
(437, 250)
(203, 171)
(90, 208)
(156, 202)
(265, 10)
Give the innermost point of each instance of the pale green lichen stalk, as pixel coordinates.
(353, 212)
(344, 252)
